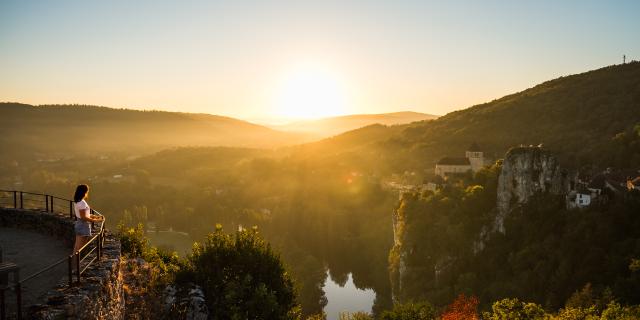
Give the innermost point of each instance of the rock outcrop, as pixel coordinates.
(398, 256)
(185, 303)
(525, 172)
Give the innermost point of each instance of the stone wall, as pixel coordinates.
(187, 302)
(99, 295)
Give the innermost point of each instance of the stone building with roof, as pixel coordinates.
(473, 160)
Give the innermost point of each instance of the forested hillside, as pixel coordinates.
(575, 116)
(62, 130)
(327, 127)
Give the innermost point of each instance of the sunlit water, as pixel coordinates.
(347, 298)
(170, 240)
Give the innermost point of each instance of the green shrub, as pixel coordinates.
(410, 311)
(132, 240)
(615, 311)
(135, 244)
(510, 309)
(355, 316)
(242, 277)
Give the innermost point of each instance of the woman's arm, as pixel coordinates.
(85, 214)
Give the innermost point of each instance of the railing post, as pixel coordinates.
(71, 209)
(19, 300)
(2, 310)
(99, 253)
(51, 206)
(46, 201)
(15, 200)
(21, 201)
(101, 239)
(78, 266)
(70, 263)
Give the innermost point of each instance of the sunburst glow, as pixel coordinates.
(310, 92)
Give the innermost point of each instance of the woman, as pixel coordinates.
(84, 217)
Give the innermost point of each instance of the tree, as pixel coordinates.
(508, 309)
(615, 311)
(410, 311)
(582, 298)
(243, 278)
(132, 239)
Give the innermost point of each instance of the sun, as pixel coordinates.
(310, 92)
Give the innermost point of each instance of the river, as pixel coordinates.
(171, 240)
(346, 299)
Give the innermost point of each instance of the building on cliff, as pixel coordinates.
(590, 191)
(579, 198)
(473, 160)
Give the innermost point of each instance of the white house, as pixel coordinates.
(578, 199)
(583, 200)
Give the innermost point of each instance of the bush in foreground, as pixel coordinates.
(243, 278)
(410, 311)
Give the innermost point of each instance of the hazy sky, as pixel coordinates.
(257, 59)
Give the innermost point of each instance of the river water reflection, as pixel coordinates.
(347, 298)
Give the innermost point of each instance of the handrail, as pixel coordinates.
(19, 201)
(49, 208)
(80, 255)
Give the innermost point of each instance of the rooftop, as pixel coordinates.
(456, 161)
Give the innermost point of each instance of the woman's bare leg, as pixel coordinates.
(80, 241)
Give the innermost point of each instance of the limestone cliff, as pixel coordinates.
(397, 256)
(526, 171)
(432, 233)
(410, 268)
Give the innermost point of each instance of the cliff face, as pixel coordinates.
(431, 234)
(526, 171)
(410, 268)
(398, 256)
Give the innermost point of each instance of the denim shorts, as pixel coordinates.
(83, 228)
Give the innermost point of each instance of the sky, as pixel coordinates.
(265, 61)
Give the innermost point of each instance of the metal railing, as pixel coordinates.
(35, 201)
(51, 204)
